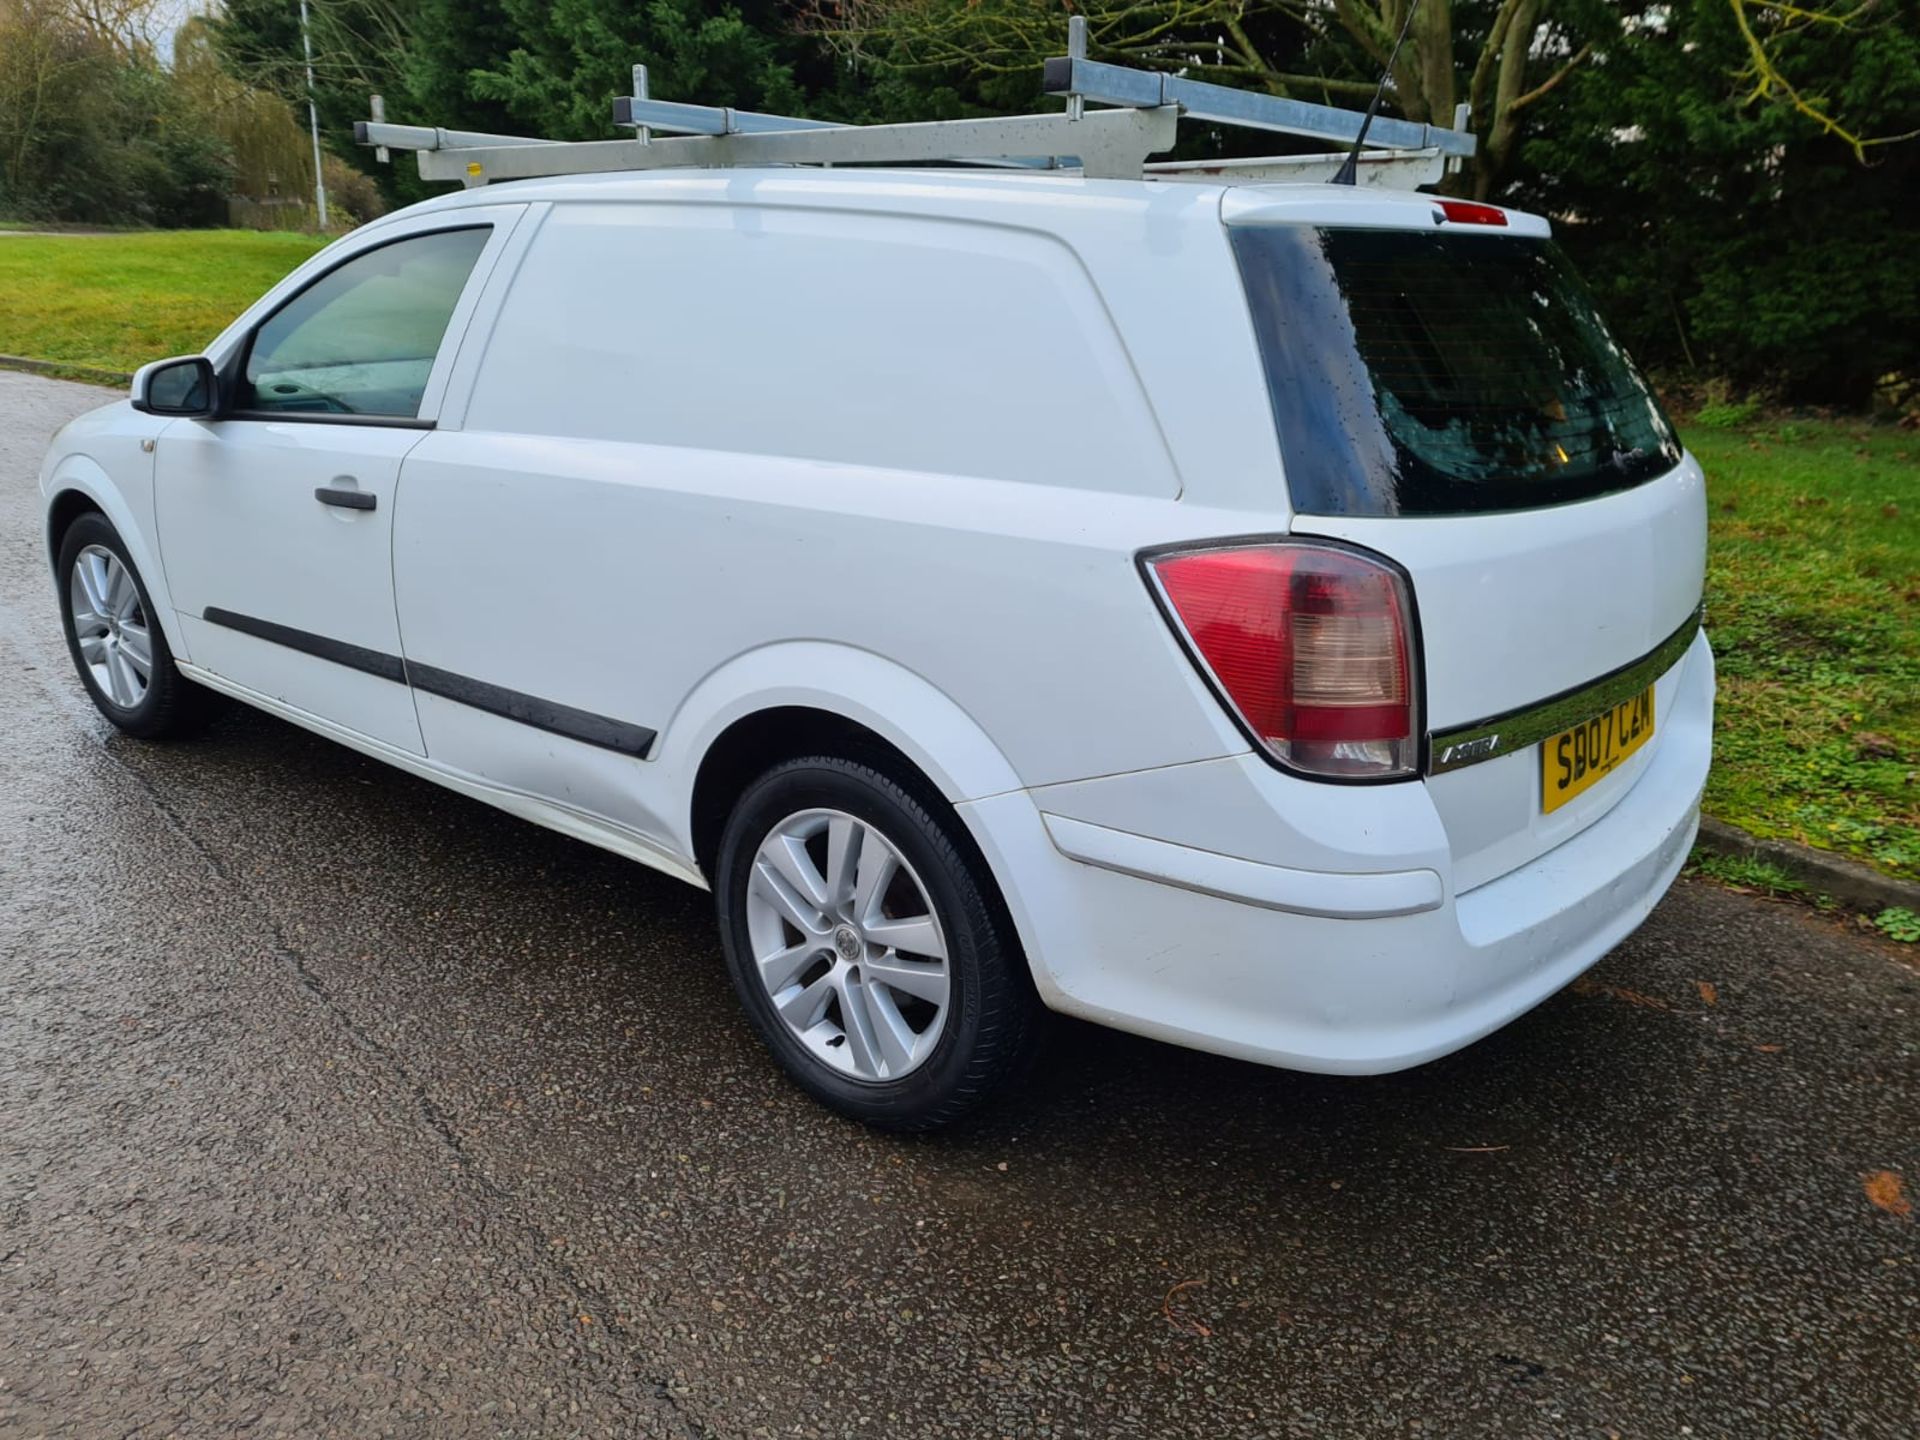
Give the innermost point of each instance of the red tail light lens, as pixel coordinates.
(1471, 212)
(1310, 646)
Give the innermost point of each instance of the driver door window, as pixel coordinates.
(361, 340)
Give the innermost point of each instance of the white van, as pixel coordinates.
(1261, 617)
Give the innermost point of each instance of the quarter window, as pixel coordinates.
(361, 340)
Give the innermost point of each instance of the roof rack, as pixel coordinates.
(1109, 144)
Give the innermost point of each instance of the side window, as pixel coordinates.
(361, 340)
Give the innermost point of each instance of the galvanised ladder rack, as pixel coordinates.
(1112, 144)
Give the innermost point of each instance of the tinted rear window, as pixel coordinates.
(1443, 374)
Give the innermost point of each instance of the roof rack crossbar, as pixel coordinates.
(1218, 104)
(646, 116)
(432, 137)
(680, 119)
(1108, 144)
(1103, 144)
(1378, 169)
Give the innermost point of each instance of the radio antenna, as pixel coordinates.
(1349, 172)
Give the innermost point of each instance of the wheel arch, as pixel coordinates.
(79, 487)
(801, 697)
(66, 507)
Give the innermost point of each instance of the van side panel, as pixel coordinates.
(700, 432)
(907, 344)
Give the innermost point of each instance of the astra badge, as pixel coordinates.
(1476, 749)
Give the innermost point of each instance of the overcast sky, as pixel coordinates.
(168, 16)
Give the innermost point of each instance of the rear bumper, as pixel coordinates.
(1348, 965)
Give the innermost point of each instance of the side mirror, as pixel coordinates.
(185, 385)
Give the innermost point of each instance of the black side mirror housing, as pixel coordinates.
(185, 385)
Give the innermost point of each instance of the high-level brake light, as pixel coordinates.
(1471, 212)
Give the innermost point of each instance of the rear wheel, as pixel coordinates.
(869, 946)
(117, 644)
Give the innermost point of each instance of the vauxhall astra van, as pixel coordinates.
(1265, 618)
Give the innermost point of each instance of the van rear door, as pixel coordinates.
(1447, 396)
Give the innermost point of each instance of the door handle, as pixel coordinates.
(346, 499)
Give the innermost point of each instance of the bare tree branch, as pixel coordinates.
(1520, 102)
(1490, 52)
(1770, 84)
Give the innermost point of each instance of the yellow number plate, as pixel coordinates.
(1578, 758)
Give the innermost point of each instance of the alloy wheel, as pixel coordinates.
(848, 946)
(110, 626)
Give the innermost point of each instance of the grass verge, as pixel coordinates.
(1744, 872)
(1751, 875)
(1813, 605)
(117, 301)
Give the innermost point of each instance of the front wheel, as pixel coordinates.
(115, 639)
(869, 946)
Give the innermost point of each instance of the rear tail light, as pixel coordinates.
(1309, 645)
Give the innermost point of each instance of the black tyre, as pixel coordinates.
(116, 641)
(870, 947)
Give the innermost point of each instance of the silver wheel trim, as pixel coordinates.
(848, 946)
(110, 626)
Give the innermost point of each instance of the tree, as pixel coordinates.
(572, 57)
(272, 158)
(359, 47)
(510, 65)
(1733, 230)
(91, 128)
(1501, 57)
(47, 71)
(1768, 27)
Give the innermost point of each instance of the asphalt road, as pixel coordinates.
(334, 1104)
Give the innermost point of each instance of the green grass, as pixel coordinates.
(1813, 605)
(1745, 872)
(118, 301)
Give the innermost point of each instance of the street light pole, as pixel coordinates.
(313, 120)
